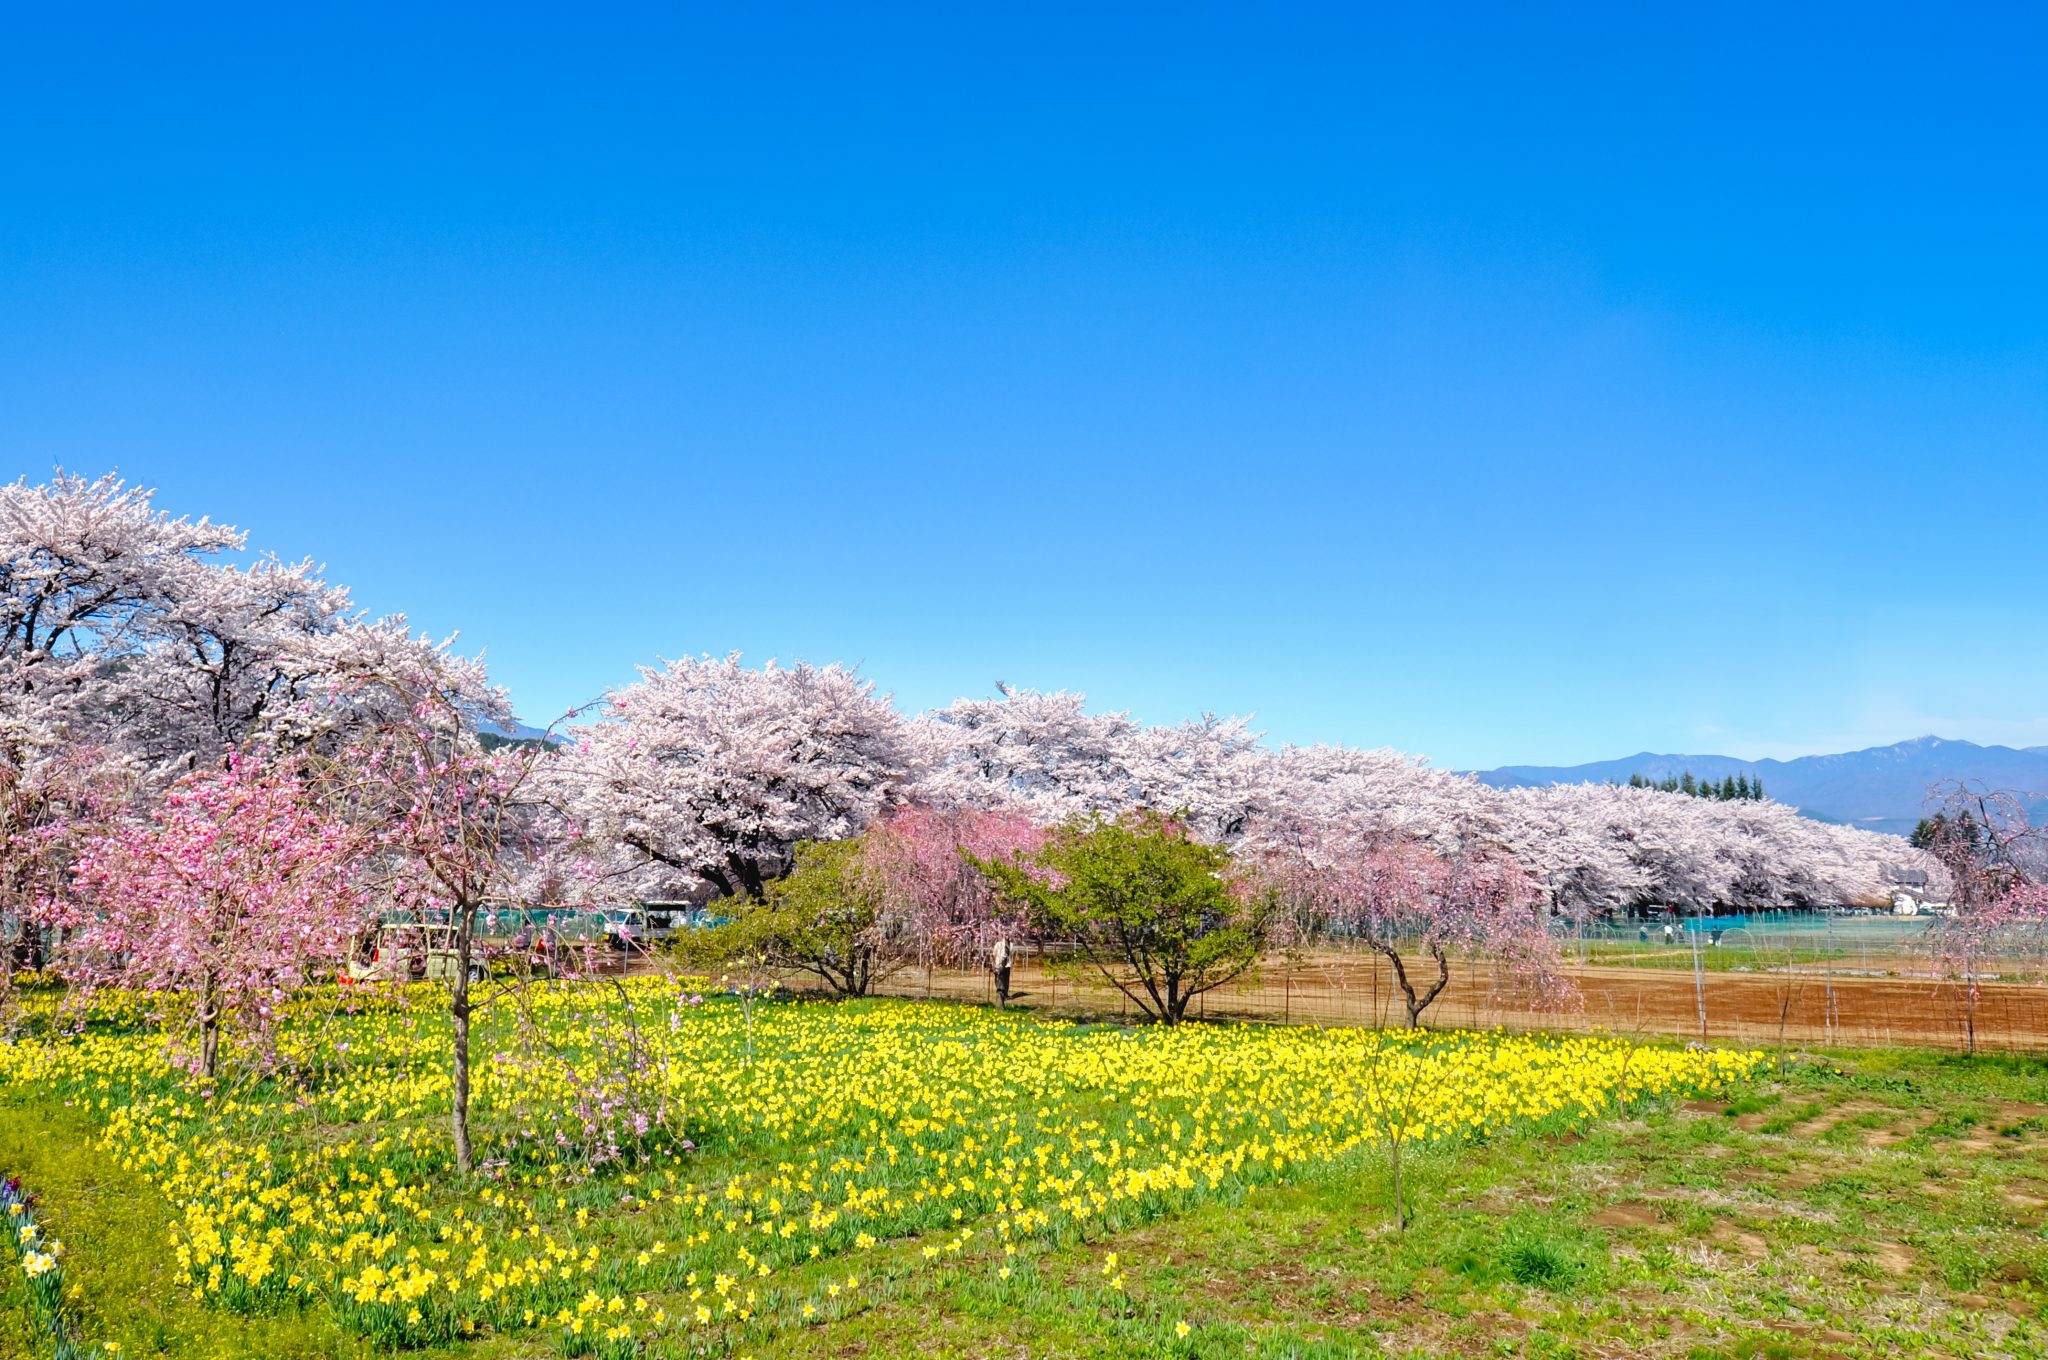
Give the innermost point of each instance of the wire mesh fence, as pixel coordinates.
(1782, 977)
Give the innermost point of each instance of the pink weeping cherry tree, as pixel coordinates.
(55, 798)
(458, 826)
(1401, 898)
(1996, 859)
(920, 859)
(234, 892)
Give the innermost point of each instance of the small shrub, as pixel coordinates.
(1540, 1261)
(1751, 1104)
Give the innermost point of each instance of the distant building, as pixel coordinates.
(1905, 878)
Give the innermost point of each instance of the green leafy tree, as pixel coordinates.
(1942, 832)
(826, 917)
(1159, 915)
(1687, 784)
(1742, 787)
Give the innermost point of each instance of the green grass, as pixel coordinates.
(1722, 958)
(112, 1224)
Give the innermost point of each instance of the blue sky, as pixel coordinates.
(1501, 385)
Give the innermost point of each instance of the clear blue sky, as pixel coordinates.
(1503, 386)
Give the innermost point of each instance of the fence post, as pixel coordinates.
(1699, 981)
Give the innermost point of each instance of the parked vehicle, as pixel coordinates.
(667, 918)
(406, 946)
(410, 953)
(628, 928)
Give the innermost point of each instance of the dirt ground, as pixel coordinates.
(1342, 988)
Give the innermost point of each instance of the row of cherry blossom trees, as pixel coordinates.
(708, 772)
(213, 769)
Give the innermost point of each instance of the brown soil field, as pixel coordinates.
(1343, 988)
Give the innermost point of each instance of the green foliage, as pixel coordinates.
(1536, 1259)
(1731, 788)
(1155, 912)
(1941, 831)
(492, 741)
(824, 918)
(114, 1223)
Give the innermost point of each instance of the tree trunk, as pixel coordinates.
(1970, 1018)
(750, 877)
(1699, 983)
(459, 1012)
(1400, 1208)
(28, 947)
(1417, 1005)
(209, 1026)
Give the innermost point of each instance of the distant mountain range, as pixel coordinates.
(1882, 789)
(510, 731)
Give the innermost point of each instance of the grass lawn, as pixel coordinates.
(1729, 958)
(1877, 1203)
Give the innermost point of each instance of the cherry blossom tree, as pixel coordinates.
(235, 891)
(1042, 755)
(1396, 793)
(922, 860)
(84, 563)
(232, 657)
(84, 566)
(715, 771)
(55, 797)
(1398, 896)
(1599, 845)
(1211, 775)
(1996, 860)
(119, 626)
(1047, 758)
(458, 827)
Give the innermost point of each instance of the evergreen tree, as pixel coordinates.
(1742, 787)
(1687, 784)
(1636, 781)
